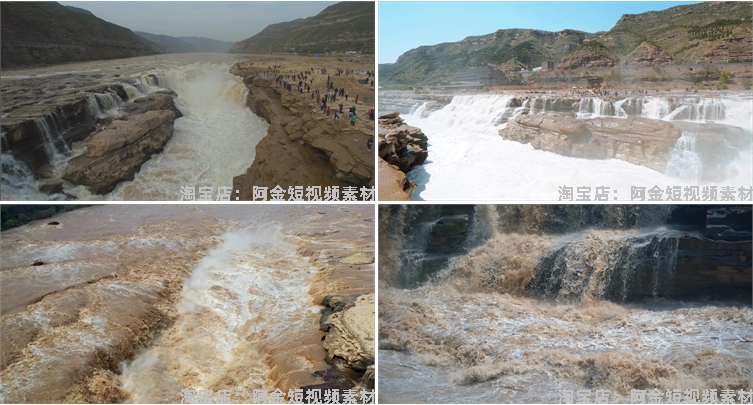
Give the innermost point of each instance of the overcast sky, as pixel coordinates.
(407, 25)
(223, 20)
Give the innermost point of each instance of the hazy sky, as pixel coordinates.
(407, 25)
(223, 20)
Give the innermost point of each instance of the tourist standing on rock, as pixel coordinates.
(341, 108)
(353, 120)
(346, 96)
(337, 116)
(356, 98)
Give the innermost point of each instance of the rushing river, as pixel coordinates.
(469, 160)
(135, 303)
(533, 305)
(214, 141)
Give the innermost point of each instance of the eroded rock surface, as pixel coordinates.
(116, 153)
(351, 336)
(643, 141)
(303, 147)
(401, 147)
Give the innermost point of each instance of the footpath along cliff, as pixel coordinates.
(304, 146)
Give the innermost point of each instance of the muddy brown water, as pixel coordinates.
(134, 303)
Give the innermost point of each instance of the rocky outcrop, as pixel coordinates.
(117, 152)
(647, 55)
(401, 147)
(303, 147)
(738, 49)
(399, 144)
(350, 323)
(637, 140)
(394, 185)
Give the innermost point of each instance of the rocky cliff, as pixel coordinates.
(43, 33)
(647, 55)
(346, 26)
(717, 32)
(303, 147)
(688, 252)
(401, 147)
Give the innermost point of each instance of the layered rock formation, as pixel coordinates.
(303, 147)
(44, 135)
(351, 333)
(117, 152)
(636, 140)
(647, 55)
(644, 141)
(401, 147)
(738, 49)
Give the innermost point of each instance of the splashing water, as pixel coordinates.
(214, 140)
(468, 158)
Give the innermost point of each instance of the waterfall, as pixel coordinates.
(54, 145)
(684, 162)
(132, 91)
(482, 112)
(607, 265)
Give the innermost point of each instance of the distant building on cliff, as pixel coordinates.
(547, 65)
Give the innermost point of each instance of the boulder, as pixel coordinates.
(351, 336)
(51, 186)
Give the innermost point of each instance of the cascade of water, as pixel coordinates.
(607, 265)
(414, 107)
(52, 142)
(684, 162)
(132, 91)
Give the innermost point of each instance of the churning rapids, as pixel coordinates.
(468, 158)
(214, 140)
(135, 303)
(521, 313)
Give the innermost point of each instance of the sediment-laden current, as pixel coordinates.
(136, 303)
(214, 140)
(515, 304)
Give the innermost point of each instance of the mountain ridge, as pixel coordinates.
(698, 33)
(345, 26)
(171, 44)
(45, 33)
